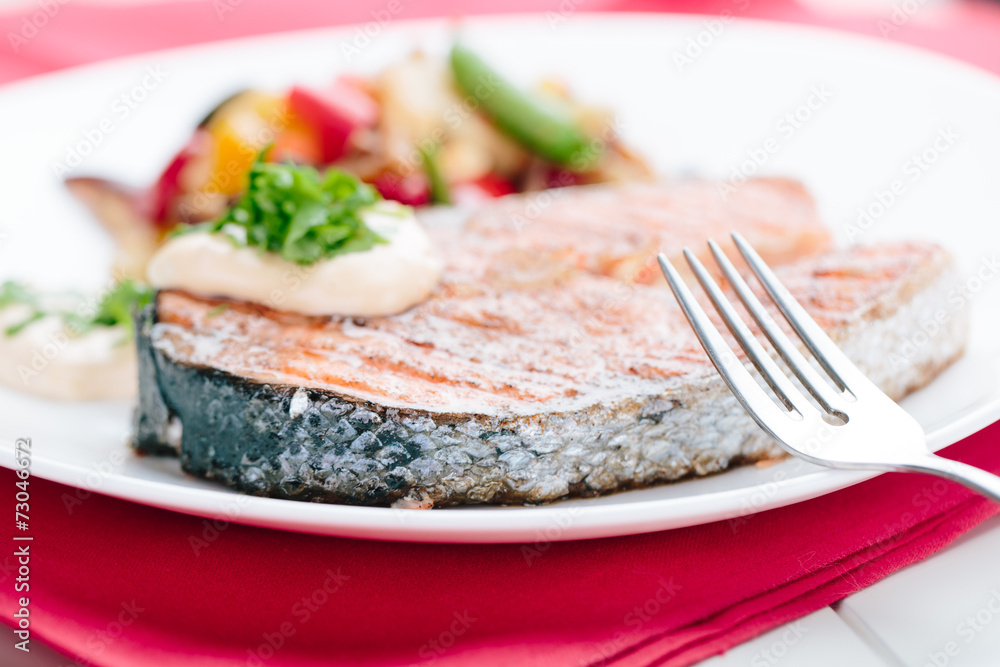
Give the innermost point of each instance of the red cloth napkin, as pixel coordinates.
(115, 583)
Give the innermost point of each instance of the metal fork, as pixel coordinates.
(858, 427)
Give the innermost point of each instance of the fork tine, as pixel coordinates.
(840, 369)
(810, 379)
(773, 375)
(751, 396)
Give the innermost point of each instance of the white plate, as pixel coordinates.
(875, 106)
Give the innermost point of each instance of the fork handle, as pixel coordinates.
(976, 479)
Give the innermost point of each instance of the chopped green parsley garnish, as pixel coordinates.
(299, 214)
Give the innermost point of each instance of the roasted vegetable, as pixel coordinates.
(162, 197)
(412, 190)
(423, 130)
(482, 189)
(123, 214)
(239, 130)
(334, 115)
(539, 126)
(440, 191)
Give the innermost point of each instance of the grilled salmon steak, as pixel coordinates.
(549, 363)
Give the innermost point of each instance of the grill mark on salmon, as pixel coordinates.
(615, 230)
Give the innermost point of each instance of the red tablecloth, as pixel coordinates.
(115, 583)
(39, 40)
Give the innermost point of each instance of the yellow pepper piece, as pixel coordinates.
(239, 131)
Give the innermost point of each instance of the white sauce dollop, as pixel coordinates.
(384, 280)
(44, 359)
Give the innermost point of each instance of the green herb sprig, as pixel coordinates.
(115, 308)
(298, 213)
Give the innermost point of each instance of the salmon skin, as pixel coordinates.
(545, 366)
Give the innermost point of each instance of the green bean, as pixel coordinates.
(532, 122)
(440, 192)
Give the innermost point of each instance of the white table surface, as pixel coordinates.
(942, 612)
